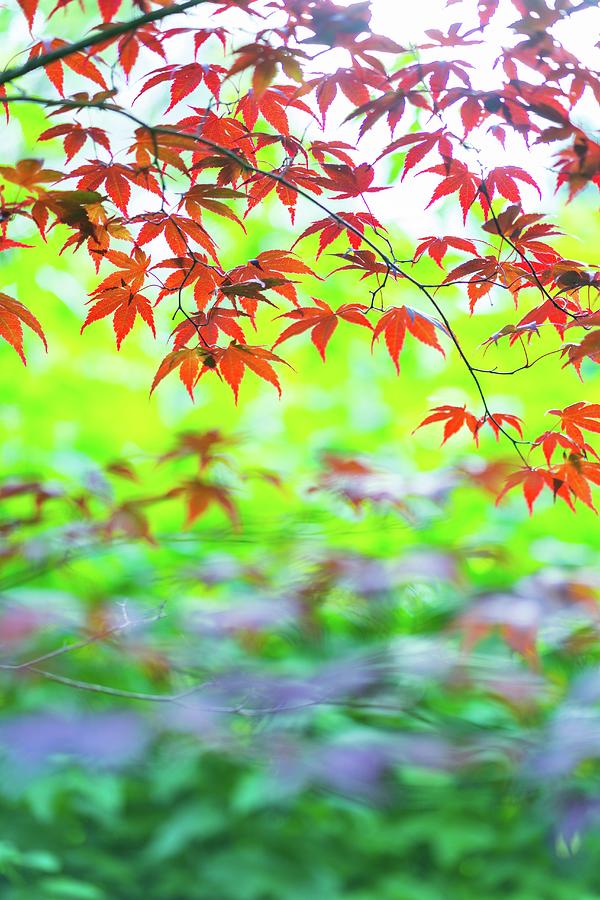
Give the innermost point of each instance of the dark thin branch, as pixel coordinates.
(585, 4)
(306, 195)
(526, 365)
(444, 284)
(97, 37)
(523, 256)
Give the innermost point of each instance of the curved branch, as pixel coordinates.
(79, 645)
(240, 710)
(526, 365)
(98, 37)
(306, 195)
(523, 256)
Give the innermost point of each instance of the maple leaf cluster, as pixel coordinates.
(239, 124)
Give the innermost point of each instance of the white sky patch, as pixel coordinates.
(405, 205)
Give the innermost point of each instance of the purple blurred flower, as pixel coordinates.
(576, 815)
(106, 739)
(358, 765)
(254, 614)
(574, 735)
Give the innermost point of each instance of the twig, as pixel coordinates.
(79, 645)
(280, 179)
(98, 37)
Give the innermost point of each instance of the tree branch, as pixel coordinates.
(240, 710)
(523, 256)
(98, 37)
(522, 368)
(80, 645)
(306, 195)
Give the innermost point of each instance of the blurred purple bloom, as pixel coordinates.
(586, 688)
(107, 739)
(253, 614)
(351, 767)
(574, 735)
(357, 766)
(577, 814)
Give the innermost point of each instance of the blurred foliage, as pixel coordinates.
(361, 794)
(182, 827)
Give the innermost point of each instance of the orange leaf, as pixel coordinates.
(397, 321)
(322, 321)
(13, 315)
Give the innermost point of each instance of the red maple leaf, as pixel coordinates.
(191, 272)
(331, 228)
(185, 79)
(131, 271)
(75, 136)
(124, 306)
(229, 362)
(394, 325)
(420, 143)
(496, 421)
(206, 327)
(321, 320)
(30, 174)
(178, 231)
(354, 84)
(79, 63)
(338, 149)
(455, 418)
(129, 45)
(456, 179)
(264, 61)
(579, 164)
(365, 261)
(117, 179)
(350, 181)
(29, 9)
(272, 105)
(200, 495)
(391, 104)
(576, 473)
(578, 416)
(13, 315)
(260, 186)
(532, 482)
(588, 347)
(207, 196)
(437, 248)
(504, 180)
(550, 440)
